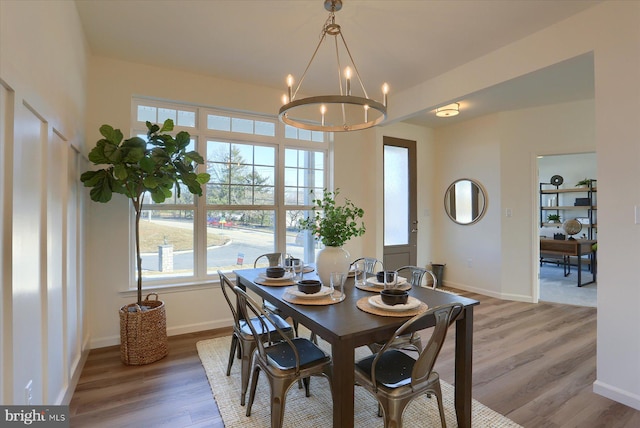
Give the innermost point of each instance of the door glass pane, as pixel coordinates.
(396, 195)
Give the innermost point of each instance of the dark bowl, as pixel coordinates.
(394, 297)
(380, 275)
(275, 272)
(309, 286)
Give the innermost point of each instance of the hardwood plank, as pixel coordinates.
(536, 364)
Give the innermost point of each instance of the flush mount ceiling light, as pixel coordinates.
(335, 112)
(448, 110)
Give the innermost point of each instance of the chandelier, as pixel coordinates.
(337, 112)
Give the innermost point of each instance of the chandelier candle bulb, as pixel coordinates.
(290, 86)
(366, 113)
(347, 74)
(385, 91)
(285, 99)
(323, 110)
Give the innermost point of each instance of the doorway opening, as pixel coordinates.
(567, 229)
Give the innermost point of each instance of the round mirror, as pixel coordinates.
(465, 201)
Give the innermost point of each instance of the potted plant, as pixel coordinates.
(136, 169)
(584, 183)
(553, 218)
(333, 225)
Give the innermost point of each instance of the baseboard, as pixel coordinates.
(75, 374)
(192, 328)
(101, 342)
(484, 292)
(616, 394)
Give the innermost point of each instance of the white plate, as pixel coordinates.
(324, 291)
(287, 277)
(412, 303)
(374, 281)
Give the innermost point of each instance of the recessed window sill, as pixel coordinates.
(172, 288)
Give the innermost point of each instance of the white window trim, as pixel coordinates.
(201, 134)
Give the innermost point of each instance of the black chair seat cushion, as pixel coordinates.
(393, 369)
(281, 355)
(260, 327)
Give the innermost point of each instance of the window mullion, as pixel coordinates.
(258, 221)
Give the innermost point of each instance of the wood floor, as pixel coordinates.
(536, 364)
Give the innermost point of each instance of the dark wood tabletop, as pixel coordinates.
(346, 327)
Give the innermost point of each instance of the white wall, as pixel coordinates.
(617, 66)
(42, 82)
(561, 128)
(472, 253)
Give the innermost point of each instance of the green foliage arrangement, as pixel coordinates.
(553, 218)
(585, 182)
(334, 224)
(137, 168)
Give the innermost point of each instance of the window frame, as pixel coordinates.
(201, 134)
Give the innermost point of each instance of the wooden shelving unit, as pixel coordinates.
(550, 193)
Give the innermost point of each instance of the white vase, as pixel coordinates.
(332, 259)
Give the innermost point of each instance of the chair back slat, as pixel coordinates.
(445, 315)
(227, 286)
(371, 265)
(416, 275)
(273, 259)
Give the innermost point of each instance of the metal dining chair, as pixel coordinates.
(284, 362)
(245, 333)
(274, 259)
(415, 275)
(410, 341)
(395, 377)
(371, 265)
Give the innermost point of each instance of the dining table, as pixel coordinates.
(346, 327)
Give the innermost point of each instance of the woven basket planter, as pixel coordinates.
(143, 334)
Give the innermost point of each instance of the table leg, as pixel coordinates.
(579, 266)
(343, 383)
(463, 366)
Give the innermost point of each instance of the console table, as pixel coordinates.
(572, 247)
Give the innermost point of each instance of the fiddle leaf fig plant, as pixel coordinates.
(331, 223)
(137, 167)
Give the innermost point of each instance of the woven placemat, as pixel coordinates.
(268, 283)
(326, 300)
(364, 305)
(376, 289)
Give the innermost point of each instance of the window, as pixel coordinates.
(262, 174)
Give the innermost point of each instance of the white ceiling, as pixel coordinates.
(400, 42)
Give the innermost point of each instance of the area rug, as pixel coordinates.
(316, 411)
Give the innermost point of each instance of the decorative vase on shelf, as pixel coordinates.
(332, 259)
